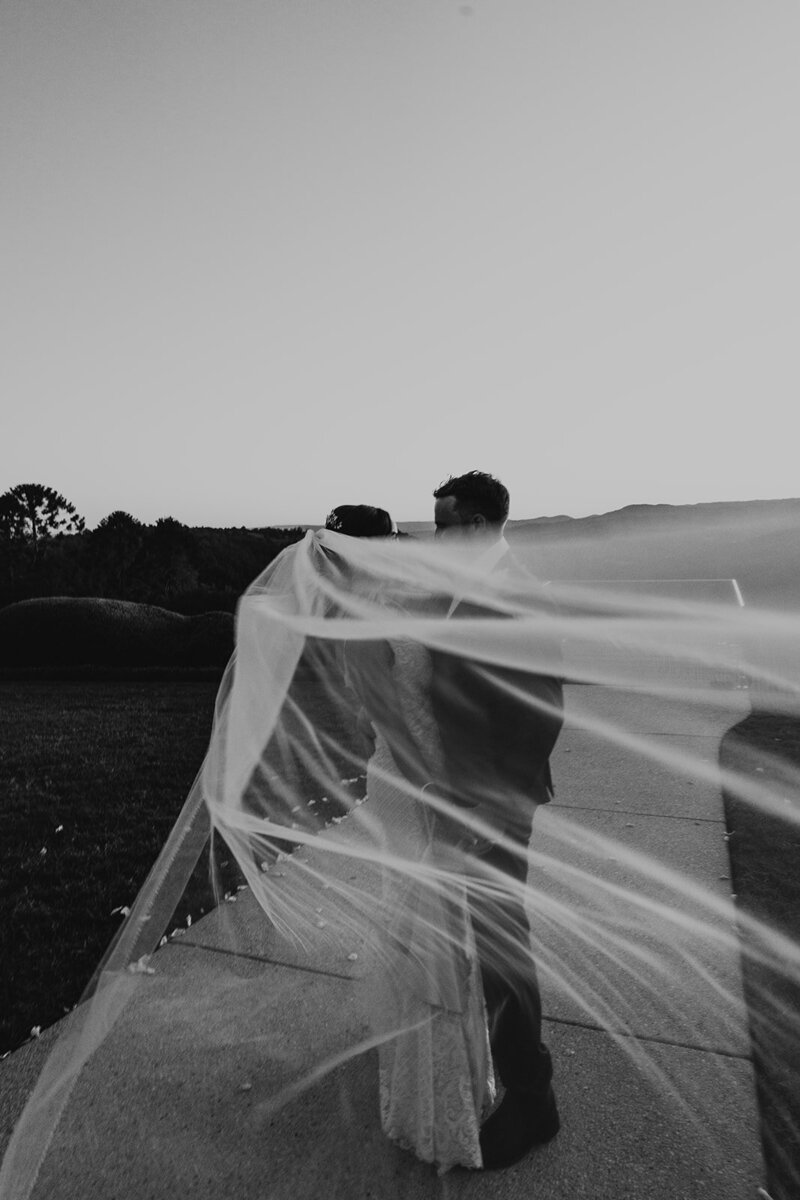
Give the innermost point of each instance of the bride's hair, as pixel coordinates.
(360, 520)
(476, 493)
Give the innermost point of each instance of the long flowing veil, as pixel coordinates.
(242, 1048)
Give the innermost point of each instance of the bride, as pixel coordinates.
(436, 1076)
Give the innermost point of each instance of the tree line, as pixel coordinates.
(46, 550)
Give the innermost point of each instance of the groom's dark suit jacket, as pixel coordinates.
(498, 725)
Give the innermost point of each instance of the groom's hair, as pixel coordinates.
(476, 493)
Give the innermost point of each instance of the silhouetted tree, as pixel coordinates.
(165, 567)
(118, 520)
(10, 518)
(32, 513)
(115, 545)
(10, 546)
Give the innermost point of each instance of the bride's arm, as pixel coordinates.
(370, 673)
(370, 668)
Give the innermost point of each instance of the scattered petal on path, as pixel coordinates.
(140, 967)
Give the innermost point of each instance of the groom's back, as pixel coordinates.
(499, 723)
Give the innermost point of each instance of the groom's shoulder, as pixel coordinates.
(513, 568)
(515, 575)
(511, 563)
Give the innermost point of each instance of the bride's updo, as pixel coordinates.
(360, 520)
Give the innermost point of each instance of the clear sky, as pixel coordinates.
(261, 257)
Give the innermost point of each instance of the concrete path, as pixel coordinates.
(654, 1079)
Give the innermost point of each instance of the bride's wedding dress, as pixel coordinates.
(436, 1077)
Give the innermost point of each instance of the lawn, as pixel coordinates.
(94, 773)
(92, 777)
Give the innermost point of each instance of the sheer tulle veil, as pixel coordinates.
(279, 993)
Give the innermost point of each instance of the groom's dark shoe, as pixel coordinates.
(519, 1123)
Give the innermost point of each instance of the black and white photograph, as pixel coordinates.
(399, 600)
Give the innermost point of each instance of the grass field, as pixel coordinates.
(92, 777)
(94, 773)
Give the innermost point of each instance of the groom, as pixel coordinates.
(497, 729)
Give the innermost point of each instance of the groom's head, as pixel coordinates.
(473, 506)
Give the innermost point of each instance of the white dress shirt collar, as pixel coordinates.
(491, 556)
(484, 565)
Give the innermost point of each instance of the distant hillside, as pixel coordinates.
(756, 542)
(723, 512)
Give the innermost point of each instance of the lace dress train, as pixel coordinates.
(436, 1077)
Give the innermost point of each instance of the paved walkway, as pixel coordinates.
(654, 1079)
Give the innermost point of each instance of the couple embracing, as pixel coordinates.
(464, 718)
(449, 651)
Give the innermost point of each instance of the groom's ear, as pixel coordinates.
(479, 522)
